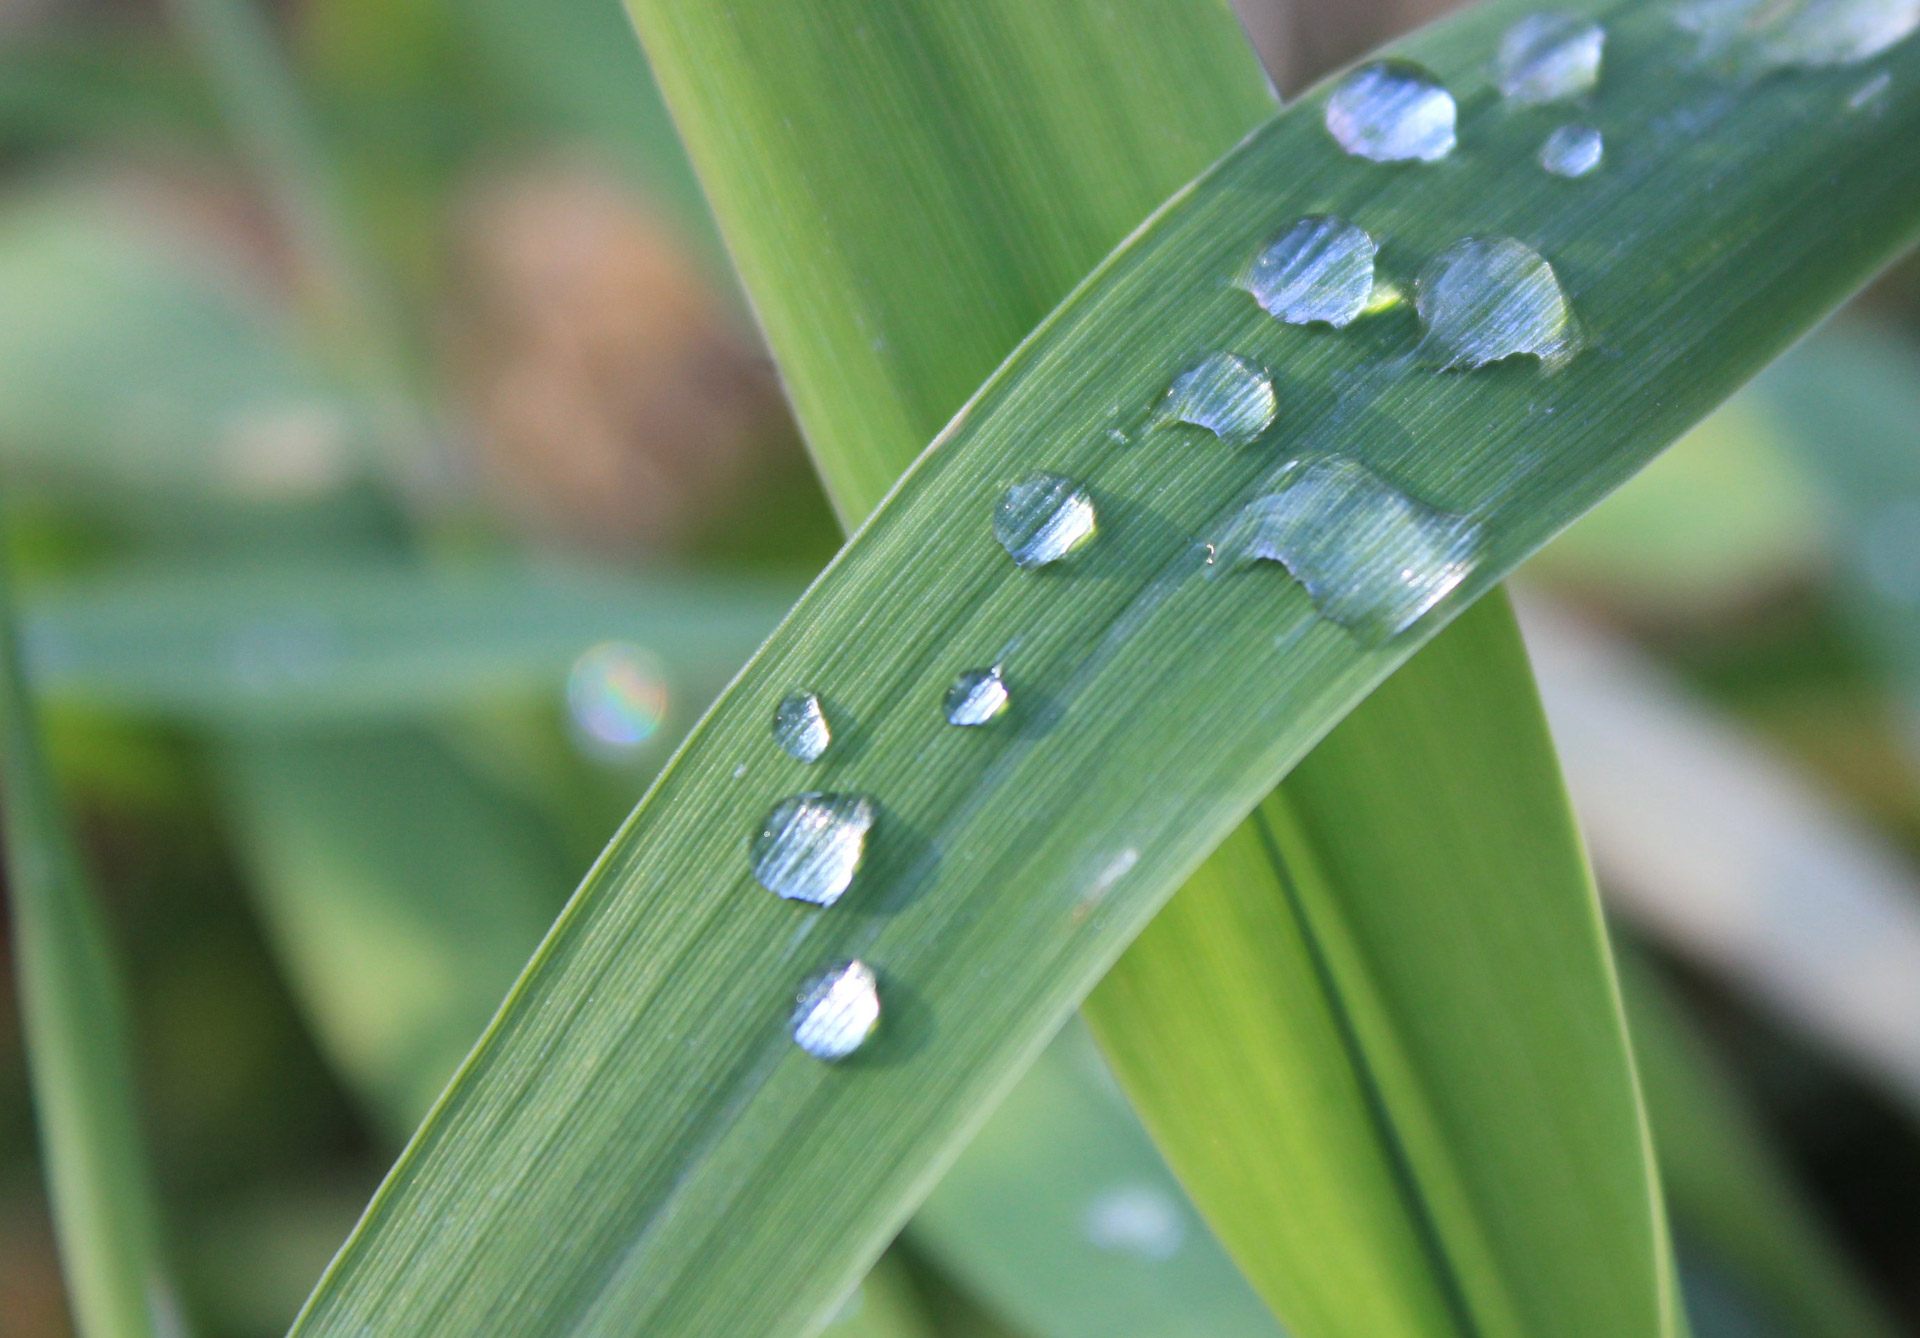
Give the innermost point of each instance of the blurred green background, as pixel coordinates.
(392, 473)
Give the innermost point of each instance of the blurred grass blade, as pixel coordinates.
(826, 262)
(637, 1144)
(884, 1305)
(1062, 1216)
(78, 1051)
(1731, 1196)
(1351, 1053)
(319, 645)
(1718, 849)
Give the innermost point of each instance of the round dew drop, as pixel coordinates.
(1043, 518)
(1549, 58)
(800, 726)
(1223, 393)
(1484, 299)
(1320, 269)
(836, 1011)
(976, 697)
(1572, 151)
(1392, 111)
(809, 846)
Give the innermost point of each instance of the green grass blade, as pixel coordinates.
(636, 1144)
(78, 1052)
(1431, 1080)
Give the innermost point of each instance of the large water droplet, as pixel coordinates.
(1142, 1220)
(1549, 58)
(1487, 298)
(800, 726)
(1372, 559)
(810, 845)
(617, 693)
(836, 1011)
(976, 697)
(1320, 269)
(1754, 36)
(1225, 394)
(1572, 151)
(1392, 111)
(1043, 518)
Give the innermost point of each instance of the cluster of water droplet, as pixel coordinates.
(1373, 560)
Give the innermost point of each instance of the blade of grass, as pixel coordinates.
(636, 1144)
(78, 1050)
(851, 183)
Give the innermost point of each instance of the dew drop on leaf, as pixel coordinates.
(1320, 269)
(1549, 58)
(1488, 298)
(836, 1011)
(809, 846)
(800, 726)
(1572, 151)
(976, 697)
(1225, 394)
(1042, 518)
(1372, 559)
(1392, 111)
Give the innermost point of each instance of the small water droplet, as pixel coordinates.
(1320, 269)
(1755, 36)
(1392, 111)
(1141, 1220)
(1042, 518)
(976, 697)
(617, 693)
(1225, 394)
(809, 846)
(1488, 298)
(1549, 58)
(836, 1011)
(800, 726)
(1372, 559)
(1117, 437)
(1572, 151)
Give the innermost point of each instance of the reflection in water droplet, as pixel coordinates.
(1226, 395)
(617, 693)
(1141, 1220)
(1754, 36)
(1372, 559)
(1871, 92)
(1889, 548)
(1487, 298)
(1572, 151)
(810, 845)
(800, 726)
(1043, 518)
(1549, 58)
(976, 697)
(1392, 111)
(1320, 269)
(836, 1011)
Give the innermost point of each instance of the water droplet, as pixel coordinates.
(1225, 394)
(976, 697)
(1043, 518)
(1320, 269)
(1141, 1220)
(836, 1011)
(617, 693)
(1549, 58)
(1754, 36)
(810, 845)
(800, 726)
(1372, 559)
(1392, 111)
(1572, 151)
(1488, 298)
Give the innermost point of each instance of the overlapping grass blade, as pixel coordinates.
(75, 1022)
(636, 1143)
